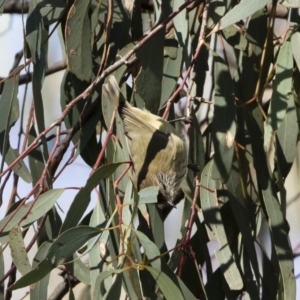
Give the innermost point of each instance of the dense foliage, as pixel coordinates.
(206, 64)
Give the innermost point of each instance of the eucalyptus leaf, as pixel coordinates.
(39, 289)
(241, 11)
(166, 285)
(78, 40)
(41, 206)
(148, 82)
(59, 252)
(9, 104)
(281, 88)
(101, 277)
(18, 251)
(223, 124)
(150, 249)
(215, 228)
(82, 199)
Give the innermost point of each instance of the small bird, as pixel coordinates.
(158, 154)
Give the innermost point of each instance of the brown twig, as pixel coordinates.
(201, 42)
(27, 78)
(108, 135)
(119, 204)
(188, 230)
(108, 25)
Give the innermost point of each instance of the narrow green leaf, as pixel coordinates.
(148, 195)
(171, 73)
(295, 41)
(282, 86)
(181, 27)
(52, 10)
(99, 281)
(2, 2)
(38, 291)
(241, 11)
(97, 218)
(78, 40)
(131, 281)
(20, 168)
(82, 199)
(287, 138)
(18, 251)
(115, 289)
(282, 245)
(166, 285)
(79, 270)
(150, 249)
(43, 269)
(61, 250)
(148, 82)
(9, 104)
(35, 158)
(42, 205)
(53, 223)
(215, 229)
(223, 124)
(276, 220)
(241, 211)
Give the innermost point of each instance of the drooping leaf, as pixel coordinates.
(18, 251)
(287, 138)
(9, 104)
(78, 40)
(41, 206)
(150, 249)
(165, 284)
(99, 281)
(148, 195)
(79, 270)
(223, 124)
(148, 82)
(215, 228)
(171, 73)
(295, 41)
(59, 252)
(181, 28)
(35, 157)
(39, 289)
(19, 168)
(277, 223)
(282, 86)
(241, 11)
(82, 199)
(52, 11)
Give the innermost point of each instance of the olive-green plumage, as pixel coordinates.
(158, 153)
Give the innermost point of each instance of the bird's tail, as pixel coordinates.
(112, 91)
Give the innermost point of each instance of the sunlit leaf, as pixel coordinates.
(240, 12)
(223, 125)
(215, 228)
(282, 86)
